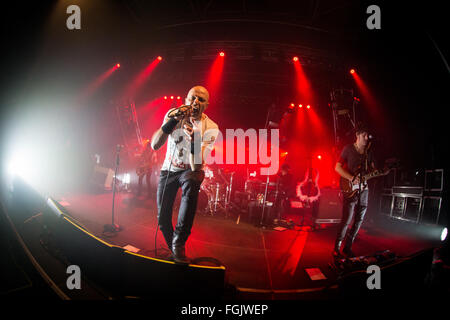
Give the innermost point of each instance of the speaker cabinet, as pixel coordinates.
(102, 178)
(431, 210)
(330, 206)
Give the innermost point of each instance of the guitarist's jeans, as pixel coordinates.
(147, 175)
(189, 182)
(351, 209)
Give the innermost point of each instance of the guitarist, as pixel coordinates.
(144, 169)
(355, 160)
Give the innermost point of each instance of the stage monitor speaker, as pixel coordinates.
(123, 273)
(330, 206)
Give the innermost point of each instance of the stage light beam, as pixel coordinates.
(444, 234)
(140, 79)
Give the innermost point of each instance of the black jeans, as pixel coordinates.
(351, 208)
(189, 181)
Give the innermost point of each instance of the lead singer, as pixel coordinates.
(191, 135)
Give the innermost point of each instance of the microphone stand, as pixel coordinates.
(113, 227)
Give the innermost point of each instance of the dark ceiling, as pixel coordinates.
(402, 63)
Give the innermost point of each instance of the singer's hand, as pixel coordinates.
(180, 113)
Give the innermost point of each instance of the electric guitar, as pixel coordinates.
(349, 189)
(308, 190)
(146, 162)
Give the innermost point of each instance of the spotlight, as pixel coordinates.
(308, 106)
(118, 65)
(171, 97)
(159, 58)
(295, 59)
(300, 106)
(178, 98)
(165, 97)
(292, 105)
(352, 71)
(222, 54)
(444, 234)
(319, 157)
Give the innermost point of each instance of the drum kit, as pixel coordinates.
(215, 191)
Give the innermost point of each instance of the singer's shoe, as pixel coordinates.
(348, 251)
(179, 255)
(178, 249)
(337, 248)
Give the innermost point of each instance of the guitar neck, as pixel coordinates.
(373, 174)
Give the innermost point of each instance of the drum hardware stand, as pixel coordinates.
(228, 194)
(113, 227)
(216, 198)
(261, 224)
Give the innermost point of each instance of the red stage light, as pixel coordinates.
(352, 71)
(319, 157)
(118, 65)
(222, 54)
(308, 106)
(295, 59)
(171, 97)
(178, 98)
(159, 58)
(300, 106)
(292, 105)
(165, 97)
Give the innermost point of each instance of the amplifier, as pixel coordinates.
(330, 206)
(431, 210)
(407, 190)
(102, 177)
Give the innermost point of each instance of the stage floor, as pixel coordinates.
(256, 259)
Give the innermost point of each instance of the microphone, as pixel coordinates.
(181, 112)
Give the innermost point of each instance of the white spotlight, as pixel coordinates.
(444, 234)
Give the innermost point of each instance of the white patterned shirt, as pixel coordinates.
(179, 145)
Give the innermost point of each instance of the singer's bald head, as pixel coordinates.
(198, 97)
(199, 89)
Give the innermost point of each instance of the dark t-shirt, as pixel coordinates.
(286, 184)
(352, 159)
